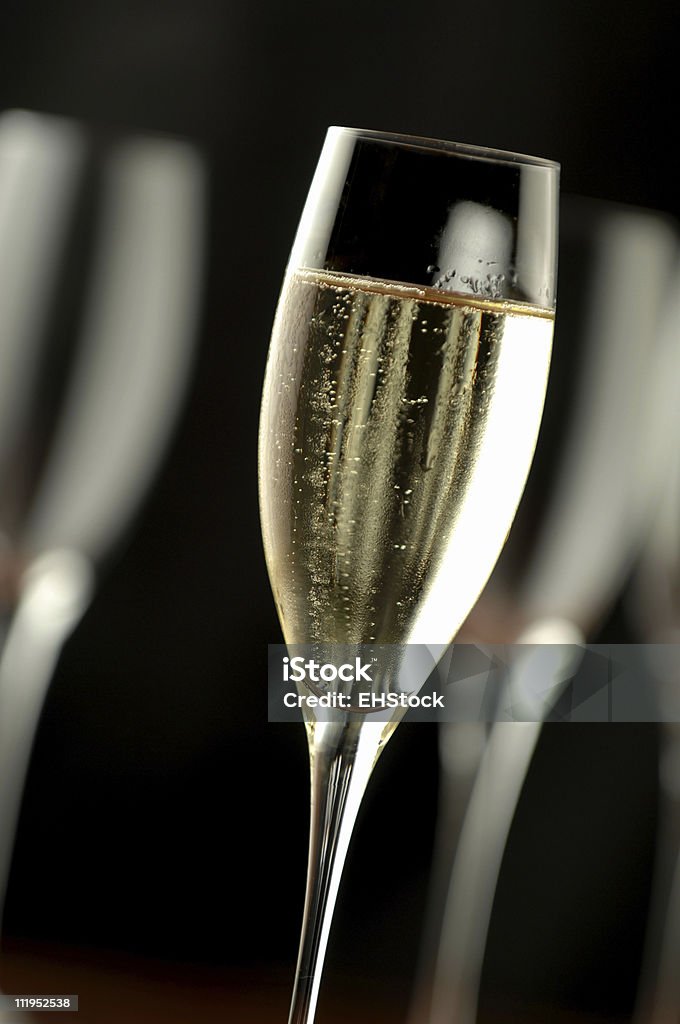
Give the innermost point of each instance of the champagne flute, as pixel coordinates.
(402, 399)
(101, 242)
(654, 609)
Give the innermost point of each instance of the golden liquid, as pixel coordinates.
(398, 426)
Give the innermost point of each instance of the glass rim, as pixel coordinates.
(463, 149)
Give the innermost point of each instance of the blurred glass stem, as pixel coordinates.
(477, 809)
(659, 992)
(54, 594)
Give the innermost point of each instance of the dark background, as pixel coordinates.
(163, 816)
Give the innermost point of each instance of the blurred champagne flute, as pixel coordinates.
(402, 399)
(573, 541)
(654, 608)
(101, 249)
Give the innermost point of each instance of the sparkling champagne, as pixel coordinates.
(397, 431)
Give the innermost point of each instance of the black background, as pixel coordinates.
(163, 816)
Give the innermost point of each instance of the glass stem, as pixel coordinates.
(342, 756)
(658, 996)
